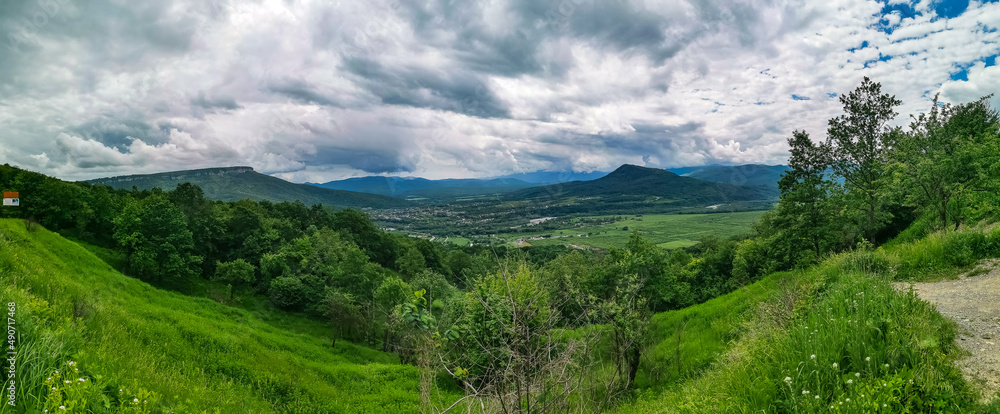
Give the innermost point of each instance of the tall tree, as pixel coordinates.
(859, 140)
(155, 238)
(802, 212)
(948, 148)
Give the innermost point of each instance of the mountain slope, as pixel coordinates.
(236, 183)
(172, 352)
(631, 181)
(743, 175)
(422, 187)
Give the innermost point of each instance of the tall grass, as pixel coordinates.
(840, 339)
(181, 354)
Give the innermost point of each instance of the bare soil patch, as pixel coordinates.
(973, 301)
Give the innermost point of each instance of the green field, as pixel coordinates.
(666, 230)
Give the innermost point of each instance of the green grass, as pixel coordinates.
(178, 353)
(666, 230)
(772, 346)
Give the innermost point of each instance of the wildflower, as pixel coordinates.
(50, 379)
(857, 374)
(868, 359)
(848, 400)
(883, 405)
(81, 380)
(816, 397)
(887, 365)
(135, 400)
(834, 365)
(71, 363)
(62, 407)
(813, 356)
(788, 380)
(850, 381)
(66, 382)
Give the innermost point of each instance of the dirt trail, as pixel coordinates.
(974, 303)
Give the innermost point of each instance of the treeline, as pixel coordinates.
(868, 181)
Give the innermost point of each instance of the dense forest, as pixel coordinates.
(542, 329)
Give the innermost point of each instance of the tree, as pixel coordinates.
(803, 214)
(343, 313)
(234, 273)
(155, 238)
(947, 149)
(509, 354)
(859, 141)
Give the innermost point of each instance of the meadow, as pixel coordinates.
(667, 231)
(93, 340)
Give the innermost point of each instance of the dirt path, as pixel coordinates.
(974, 303)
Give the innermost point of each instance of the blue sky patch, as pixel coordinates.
(962, 74)
(950, 8)
(800, 98)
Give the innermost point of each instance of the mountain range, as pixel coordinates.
(632, 181)
(236, 183)
(682, 186)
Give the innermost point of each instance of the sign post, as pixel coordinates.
(11, 199)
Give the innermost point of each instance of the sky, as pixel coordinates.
(324, 90)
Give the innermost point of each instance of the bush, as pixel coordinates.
(288, 292)
(964, 249)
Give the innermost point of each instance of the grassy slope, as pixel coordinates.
(667, 230)
(736, 351)
(189, 354)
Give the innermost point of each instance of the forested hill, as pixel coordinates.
(631, 180)
(742, 175)
(237, 183)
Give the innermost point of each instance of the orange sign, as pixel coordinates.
(10, 195)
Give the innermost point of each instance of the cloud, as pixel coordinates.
(314, 91)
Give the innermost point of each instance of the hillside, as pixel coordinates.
(742, 175)
(631, 181)
(236, 183)
(836, 337)
(422, 187)
(173, 353)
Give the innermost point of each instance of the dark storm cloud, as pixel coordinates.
(437, 88)
(226, 103)
(301, 91)
(118, 133)
(370, 160)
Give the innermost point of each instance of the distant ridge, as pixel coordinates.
(635, 181)
(242, 182)
(422, 187)
(743, 175)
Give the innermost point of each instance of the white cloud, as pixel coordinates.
(314, 91)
